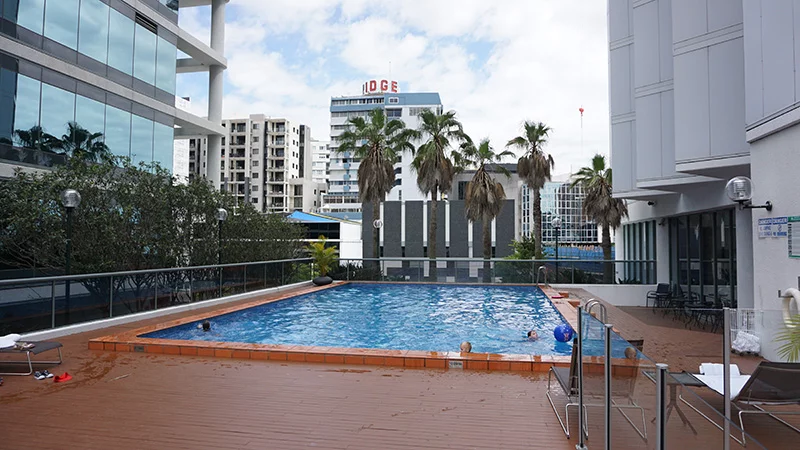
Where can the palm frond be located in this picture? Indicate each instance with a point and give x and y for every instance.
(790, 337)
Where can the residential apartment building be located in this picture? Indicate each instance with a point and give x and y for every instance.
(110, 67)
(342, 193)
(701, 92)
(320, 161)
(263, 162)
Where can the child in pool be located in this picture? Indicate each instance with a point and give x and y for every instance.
(533, 336)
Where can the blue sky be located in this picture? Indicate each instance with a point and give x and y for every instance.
(495, 63)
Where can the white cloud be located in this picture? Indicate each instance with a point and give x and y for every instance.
(547, 59)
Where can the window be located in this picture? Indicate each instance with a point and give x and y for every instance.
(462, 189)
(255, 175)
(253, 200)
(394, 112)
(255, 163)
(166, 58)
(254, 188)
(90, 114)
(255, 126)
(59, 112)
(26, 107)
(120, 42)
(144, 56)
(394, 100)
(223, 140)
(254, 151)
(413, 112)
(141, 140)
(61, 22)
(118, 131)
(93, 38)
(255, 138)
(163, 145)
(31, 15)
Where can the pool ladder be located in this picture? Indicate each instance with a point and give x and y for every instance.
(539, 272)
(594, 302)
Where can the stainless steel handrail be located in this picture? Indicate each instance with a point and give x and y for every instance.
(594, 302)
(141, 272)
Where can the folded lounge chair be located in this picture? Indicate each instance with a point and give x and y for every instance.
(771, 383)
(567, 379)
(38, 347)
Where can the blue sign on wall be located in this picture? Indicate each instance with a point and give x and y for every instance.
(774, 227)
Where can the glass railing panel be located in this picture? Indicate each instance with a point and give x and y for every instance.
(254, 277)
(174, 288)
(28, 306)
(685, 399)
(204, 284)
(134, 293)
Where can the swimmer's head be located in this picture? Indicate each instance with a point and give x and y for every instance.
(466, 347)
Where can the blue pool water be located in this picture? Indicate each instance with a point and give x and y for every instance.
(495, 319)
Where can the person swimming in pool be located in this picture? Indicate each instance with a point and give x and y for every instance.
(205, 326)
(466, 347)
(533, 336)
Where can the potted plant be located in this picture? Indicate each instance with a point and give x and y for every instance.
(324, 257)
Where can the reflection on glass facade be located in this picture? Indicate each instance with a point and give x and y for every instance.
(61, 22)
(7, 88)
(120, 41)
(144, 55)
(58, 111)
(26, 107)
(141, 140)
(104, 34)
(93, 38)
(703, 255)
(118, 131)
(566, 202)
(31, 15)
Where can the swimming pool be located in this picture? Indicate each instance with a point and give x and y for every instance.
(427, 317)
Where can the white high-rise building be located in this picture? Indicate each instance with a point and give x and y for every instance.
(320, 161)
(342, 193)
(263, 163)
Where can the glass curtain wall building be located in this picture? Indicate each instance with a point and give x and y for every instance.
(564, 201)
(101, 65)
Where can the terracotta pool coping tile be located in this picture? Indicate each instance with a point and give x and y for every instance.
(205, 351)
(374, 360)
(315, 357)
(354, 359)
(295, 356)
(259, 354)
(334, 359)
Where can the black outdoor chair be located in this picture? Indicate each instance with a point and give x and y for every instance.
(660, 296)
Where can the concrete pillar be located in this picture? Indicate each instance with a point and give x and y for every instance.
(745, 293)
(215, 90)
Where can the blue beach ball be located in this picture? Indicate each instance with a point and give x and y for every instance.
(563, 333)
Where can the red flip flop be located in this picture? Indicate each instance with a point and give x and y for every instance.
(62, 378)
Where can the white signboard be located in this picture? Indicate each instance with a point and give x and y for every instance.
(773, 227)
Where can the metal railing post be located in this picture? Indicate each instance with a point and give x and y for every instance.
(111, 296)
(661, 405)
(220, 282)
(191, 286)
(348, 270)
(283, 276)
(609, 327)
(581, 423)
(244, 280)
(726, 377)
(53, 304)
(155, 293)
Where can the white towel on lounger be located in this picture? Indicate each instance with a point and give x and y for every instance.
(9, 340)
(713, 369)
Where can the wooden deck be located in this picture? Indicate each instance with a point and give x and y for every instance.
(149, 401)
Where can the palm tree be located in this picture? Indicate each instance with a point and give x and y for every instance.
(434, 167)
(82, 144)
(534, 167)
(377, 143)
(35, 138)
(485, 195)
(600, 206)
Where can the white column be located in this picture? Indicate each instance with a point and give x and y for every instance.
(745, 292)
(215, 90)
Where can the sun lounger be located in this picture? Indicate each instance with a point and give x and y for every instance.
(38, 347)
(567, 379)
(770, 384)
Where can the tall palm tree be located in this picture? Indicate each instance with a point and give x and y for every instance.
(485, 195)
(35, 138)
(600, 206)
(82, 144)
(377, 142)
(535, 168)
(434, 166)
